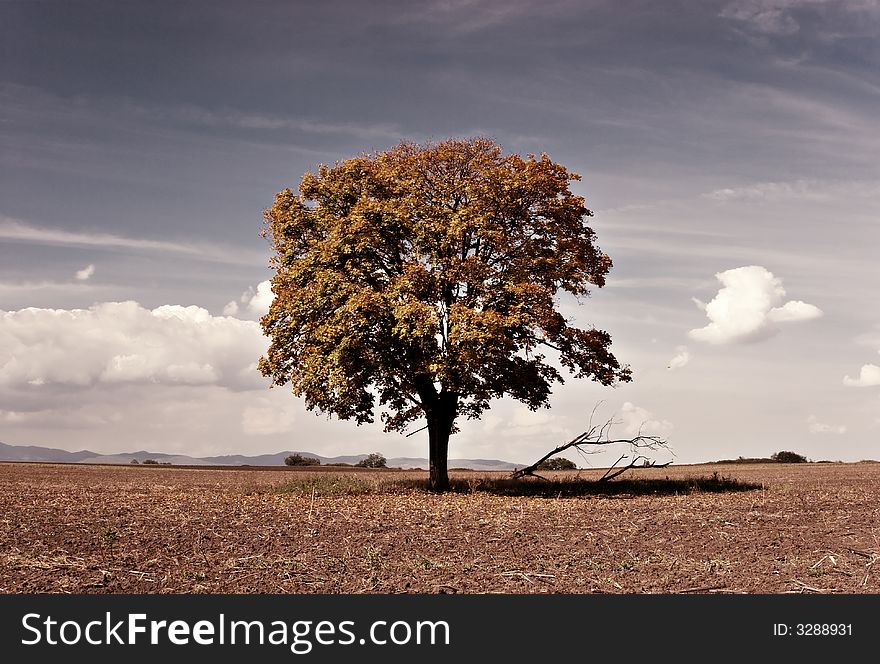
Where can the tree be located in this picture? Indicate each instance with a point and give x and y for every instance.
(373, 460)
(425, 278)
(788, 457)
(300, 460)
(558, 463)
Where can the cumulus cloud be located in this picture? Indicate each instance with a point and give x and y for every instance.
(253, 303)
(868, 377)
(748, 307)
(123, 342)
(637, 420)
(818, 427)
(681, 358)
(86, 273)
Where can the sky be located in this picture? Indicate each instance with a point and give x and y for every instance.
(728, 150)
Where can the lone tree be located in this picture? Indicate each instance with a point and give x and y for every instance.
(788, 457)
(300, 460)
(425, 278)
(559, 463)
(373, 460)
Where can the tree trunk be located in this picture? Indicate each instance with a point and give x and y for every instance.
(440, 420)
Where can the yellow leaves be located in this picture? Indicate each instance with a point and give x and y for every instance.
(414, 320)
(436, 263)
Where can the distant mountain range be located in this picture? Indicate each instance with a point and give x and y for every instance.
(48, 454)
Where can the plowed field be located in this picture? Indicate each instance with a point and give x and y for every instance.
(768, 528)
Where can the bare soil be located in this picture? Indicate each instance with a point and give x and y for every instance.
(803, 528)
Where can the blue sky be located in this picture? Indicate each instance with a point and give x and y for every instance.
(728, 150)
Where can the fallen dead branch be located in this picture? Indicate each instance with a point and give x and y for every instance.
(597, 437)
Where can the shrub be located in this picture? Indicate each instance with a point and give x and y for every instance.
(374, 460)
(151, 462)
(788, 457)
(559, 463)
(300, 460)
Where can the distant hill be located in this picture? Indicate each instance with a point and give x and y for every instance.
(48, 454)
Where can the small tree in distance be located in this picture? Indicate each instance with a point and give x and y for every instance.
(425, 278)
(374, 460)
(557, 463)
(788, 457)
(300, 460)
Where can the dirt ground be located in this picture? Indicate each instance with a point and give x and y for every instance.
(803, 528)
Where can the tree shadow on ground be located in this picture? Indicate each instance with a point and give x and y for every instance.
(569, 488)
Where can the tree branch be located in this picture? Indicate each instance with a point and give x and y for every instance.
(599, 436)
(646, 463)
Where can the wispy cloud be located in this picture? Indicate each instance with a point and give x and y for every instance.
(19, 231)
(227, 117)
(32, 286)
(468, 16)
(15, 230)
(781, 17)
(816, 426)
(801, 190)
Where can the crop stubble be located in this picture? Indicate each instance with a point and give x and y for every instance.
(808, 528)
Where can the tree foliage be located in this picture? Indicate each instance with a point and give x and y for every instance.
(557, 463)
(373, 460)
(788, 457)
(425, 278)
(300, 460)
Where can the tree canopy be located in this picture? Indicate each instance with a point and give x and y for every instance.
(300, 460)
(373, 460)
(422, 282)
(559, 463)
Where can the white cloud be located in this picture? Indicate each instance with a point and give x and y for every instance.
(869, 375)
(748, 306)
(818, 427)
(68, 417)
(20, 231)
(681, 358)
(637, 420)
(266, 418)
(799, 190)
(31, 286)
(123, 342)
(779, 17)
(767, 16)
(253, 303)
(264, 121)
(86, 273)
(15, 229)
